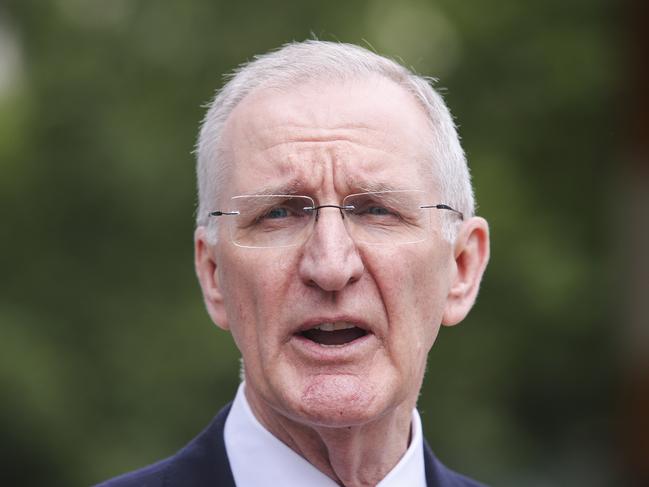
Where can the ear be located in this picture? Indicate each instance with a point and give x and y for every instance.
(471, 254)
(207, 273)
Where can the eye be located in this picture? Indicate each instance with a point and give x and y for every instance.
(372, 209)
(277, 212)
(377, 210)
(283, 209)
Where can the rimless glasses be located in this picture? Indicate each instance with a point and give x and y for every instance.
(377, 218)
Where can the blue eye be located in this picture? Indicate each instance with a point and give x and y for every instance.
(277, 213)
(377, 211)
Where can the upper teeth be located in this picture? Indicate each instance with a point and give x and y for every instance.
(336, 325)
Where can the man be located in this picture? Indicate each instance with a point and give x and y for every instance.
(335, 235)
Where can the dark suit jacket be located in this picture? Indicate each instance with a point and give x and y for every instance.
(204, 463)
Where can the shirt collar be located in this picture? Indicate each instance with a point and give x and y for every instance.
(257, 457)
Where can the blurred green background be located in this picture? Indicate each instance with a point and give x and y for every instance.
(107, 358)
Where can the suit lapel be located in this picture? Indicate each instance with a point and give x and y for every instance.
(430, 464)
(438, 475)
(204, 461)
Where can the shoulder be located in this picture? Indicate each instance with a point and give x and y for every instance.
(454, 479)
(151, 476)
(203, 461)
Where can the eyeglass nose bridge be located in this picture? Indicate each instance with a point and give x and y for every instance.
(340, 208)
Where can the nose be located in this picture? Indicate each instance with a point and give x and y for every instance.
(330, 259)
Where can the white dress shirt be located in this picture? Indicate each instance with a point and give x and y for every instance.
(257, 458)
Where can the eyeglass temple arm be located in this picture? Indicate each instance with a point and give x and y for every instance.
(445, 207)
(223, 213)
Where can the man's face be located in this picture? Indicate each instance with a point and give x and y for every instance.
(328, 140)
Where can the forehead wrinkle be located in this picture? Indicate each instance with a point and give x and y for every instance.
(370, 175)
(269, 138)
(308, 171)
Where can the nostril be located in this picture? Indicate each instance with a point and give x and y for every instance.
(313, 283)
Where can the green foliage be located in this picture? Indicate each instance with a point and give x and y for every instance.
(108, 360)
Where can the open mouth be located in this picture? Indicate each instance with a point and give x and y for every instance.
(334, 334)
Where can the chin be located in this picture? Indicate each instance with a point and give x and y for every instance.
(338, 401)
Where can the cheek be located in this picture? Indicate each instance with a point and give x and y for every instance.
(255, 288)
(413, 286)
(269, 282)
(431, 288)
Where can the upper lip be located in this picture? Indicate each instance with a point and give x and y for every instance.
(313, 322)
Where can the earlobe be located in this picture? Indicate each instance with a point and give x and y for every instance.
(471, 253)
(207, 273)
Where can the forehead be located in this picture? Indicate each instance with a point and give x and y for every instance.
(342, 136)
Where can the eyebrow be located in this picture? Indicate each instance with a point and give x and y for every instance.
(290, 188)
(373, 187)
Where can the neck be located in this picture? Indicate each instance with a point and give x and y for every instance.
(348, 455)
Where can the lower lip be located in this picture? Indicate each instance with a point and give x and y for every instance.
(333, 353)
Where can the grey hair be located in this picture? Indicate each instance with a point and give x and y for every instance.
(309, 60)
